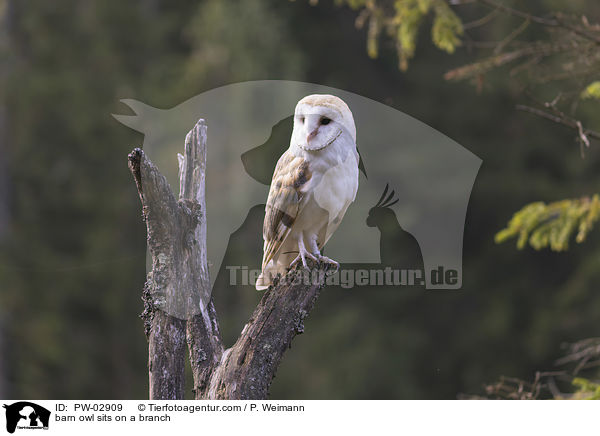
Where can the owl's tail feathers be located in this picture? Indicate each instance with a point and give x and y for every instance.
(262, 282)
(265, 279)
(269, 272)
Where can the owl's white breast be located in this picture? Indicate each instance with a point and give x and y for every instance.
(338, 186)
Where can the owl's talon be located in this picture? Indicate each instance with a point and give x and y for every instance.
(302, 257)
(329, 261)
(296, 260)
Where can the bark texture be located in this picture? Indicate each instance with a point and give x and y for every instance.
(247, 369)
(178, 308)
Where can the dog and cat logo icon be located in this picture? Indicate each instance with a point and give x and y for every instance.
(26, 415)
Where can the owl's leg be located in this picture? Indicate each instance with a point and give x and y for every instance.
(304, 253)
(312, 244)
(314, 248)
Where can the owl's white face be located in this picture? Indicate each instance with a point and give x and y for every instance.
(319, 121)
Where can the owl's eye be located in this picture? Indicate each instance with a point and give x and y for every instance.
(325, 121)
(302, 119)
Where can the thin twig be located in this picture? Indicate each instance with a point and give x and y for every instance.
(517, 13)
(548, 22)
(511, 36)
(481, 21)
(562, 119)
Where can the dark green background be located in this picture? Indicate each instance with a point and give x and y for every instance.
(72, 243)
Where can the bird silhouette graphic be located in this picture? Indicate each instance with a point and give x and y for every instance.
(397, 247)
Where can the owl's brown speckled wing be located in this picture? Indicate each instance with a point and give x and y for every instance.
(284, 202)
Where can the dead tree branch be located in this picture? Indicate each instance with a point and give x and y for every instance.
(178, 307)
(247, 369)
(166, 333)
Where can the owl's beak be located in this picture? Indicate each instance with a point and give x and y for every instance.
(311, 135)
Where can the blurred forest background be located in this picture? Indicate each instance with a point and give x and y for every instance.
(72, 243)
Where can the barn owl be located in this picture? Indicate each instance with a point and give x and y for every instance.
(314, 182)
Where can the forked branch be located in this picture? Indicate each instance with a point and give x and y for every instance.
(178, 306)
